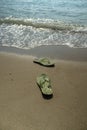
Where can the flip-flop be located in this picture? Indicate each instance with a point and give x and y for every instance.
(44, 61)
(44, 84)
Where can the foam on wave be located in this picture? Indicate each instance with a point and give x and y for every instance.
(29, 33)
(45, 23)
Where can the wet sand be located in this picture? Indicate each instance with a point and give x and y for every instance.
(22, 106)
(55, 52)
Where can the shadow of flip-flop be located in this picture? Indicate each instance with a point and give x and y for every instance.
(47, 96)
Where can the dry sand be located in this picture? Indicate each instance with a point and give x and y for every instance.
(22, 107)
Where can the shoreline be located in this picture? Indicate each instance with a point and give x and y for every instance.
(52, 51)
(22, 106)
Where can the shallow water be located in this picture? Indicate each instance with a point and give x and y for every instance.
(30, 23)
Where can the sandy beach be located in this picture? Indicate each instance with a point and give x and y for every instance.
(22, 106)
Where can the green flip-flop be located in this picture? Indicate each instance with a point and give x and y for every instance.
(44, 61)
(44, 84)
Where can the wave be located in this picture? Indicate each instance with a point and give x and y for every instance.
(46, 24)
(29, 33)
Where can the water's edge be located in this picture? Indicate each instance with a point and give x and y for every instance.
(55, 52)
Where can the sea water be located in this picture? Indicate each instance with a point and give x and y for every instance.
(30, 23)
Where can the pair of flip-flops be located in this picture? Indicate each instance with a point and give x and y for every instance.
(43, 80)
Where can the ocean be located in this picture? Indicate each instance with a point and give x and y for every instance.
(27, 24)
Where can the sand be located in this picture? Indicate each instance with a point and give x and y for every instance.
(22, 106)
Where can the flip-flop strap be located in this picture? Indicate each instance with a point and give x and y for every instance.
(43, 83)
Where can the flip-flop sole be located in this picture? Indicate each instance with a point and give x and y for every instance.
(43, 63)
(44, 84)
